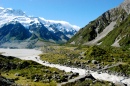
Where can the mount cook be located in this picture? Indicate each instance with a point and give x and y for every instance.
(16, 28)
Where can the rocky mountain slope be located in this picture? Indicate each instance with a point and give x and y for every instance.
(111, 28)
(6, 82)
(16, 27)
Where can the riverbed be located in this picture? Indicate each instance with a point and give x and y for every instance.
(32, 54)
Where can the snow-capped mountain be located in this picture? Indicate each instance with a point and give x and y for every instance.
(9, 14)
(12, 21)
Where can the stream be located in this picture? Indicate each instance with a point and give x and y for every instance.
(32, 54)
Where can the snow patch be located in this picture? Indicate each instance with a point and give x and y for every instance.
(69, 36)
(64, 23)
(72, 42)
(9, 9)
(1, 8)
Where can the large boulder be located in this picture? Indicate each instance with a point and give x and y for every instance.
(120, 84)
(6, 82)
(94, 62)
(90, 76)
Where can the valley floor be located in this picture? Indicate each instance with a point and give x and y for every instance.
(31, 54)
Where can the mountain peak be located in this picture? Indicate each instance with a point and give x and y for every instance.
(38, 27)
(1, 8)
(66, 24)
(10, 11)
(126, 6)
(9, 14)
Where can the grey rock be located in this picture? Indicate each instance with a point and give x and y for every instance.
(17, 74)
(98, 66)
(110, 84)
(88, 61)
(35, 80)
(80, 57)
(126, 6)
(6, 82)
(120, 84)
(90, 76)
(94, 62)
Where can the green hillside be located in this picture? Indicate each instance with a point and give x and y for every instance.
(118, 35)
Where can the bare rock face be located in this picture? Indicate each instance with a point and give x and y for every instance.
(126, 6)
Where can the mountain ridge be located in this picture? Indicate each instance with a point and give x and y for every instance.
(38, 27)
(105, 30)
(18, 15)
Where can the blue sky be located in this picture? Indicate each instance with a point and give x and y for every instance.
(77, 12)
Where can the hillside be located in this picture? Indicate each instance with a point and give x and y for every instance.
(111, 28)
(15, 72)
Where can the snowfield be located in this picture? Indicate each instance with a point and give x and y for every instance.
(9, 15)
(32, 54)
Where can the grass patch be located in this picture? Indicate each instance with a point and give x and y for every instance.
(83, 56)
(29, 72)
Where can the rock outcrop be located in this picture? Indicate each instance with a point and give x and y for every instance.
(5, 82)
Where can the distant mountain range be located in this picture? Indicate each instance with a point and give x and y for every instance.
(112, 28)
(16, 28)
